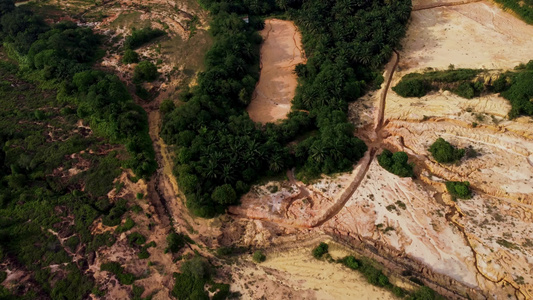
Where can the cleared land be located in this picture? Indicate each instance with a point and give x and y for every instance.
(280, 52)
(480, 247)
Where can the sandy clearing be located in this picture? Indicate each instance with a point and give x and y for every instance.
(329, 280)
(475, 35)
(280, 52)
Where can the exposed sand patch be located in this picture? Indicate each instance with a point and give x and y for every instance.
(328, 280)
(280, 52)
(475, 35)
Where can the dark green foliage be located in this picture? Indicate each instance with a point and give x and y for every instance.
(445, 152)
(523, 8)
(259, 257)
(224, 195)
(425, 293)
(126, 226)
(167, 106)
(189, 284)
(396, 163)
(458, 81)
(115, 268)
(175, 242)
(136, 238)
(217, 143)
(137, 292)
(320, 250)
(459, 189)
(3, 276)
(520, 93)
(99, 179)
(145, 71)
(72, 243)
(350, 262)
(114, 217)
(142, 36)
(412, 87)
(130, 57)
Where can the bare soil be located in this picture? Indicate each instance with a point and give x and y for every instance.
(281, 51)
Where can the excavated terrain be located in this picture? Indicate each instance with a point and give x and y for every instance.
(479, 248)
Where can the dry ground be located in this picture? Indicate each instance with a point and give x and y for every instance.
(280, 53)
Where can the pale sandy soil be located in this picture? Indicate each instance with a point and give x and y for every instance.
(481, 246)
(280, 53)
(328, 280)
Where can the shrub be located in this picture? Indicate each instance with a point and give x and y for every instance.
(350, 262)
(130, 57)
(118, 270)
(396, 163)
(136, 238)
(175, 242)
(167, 106)
(259, 257)
(320, 250)
(412, 88)
(142, 36)
(444, 152)
(126, 226)
(465, 90)
(459, 189)
(224, 194)
(145, 71)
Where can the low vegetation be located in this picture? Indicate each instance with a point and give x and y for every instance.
(130, 57)
(140, 37)
(50, 93)
(523, 8)
(320, 250)
(445, 153)
(259, 256)
(459, 189)
(457, 81)
(375, 276)
(115, 268)
(396, 163)
(515, 86)
(145, 71)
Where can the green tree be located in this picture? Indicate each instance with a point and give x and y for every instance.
(224, 194)
(444, 152)
(145, 71)
(130, 57)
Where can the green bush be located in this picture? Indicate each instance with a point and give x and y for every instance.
(259, 257)
(115, 268)
(459, 189)
(465, 90)
(444, 152)
(145, 71)
(136, 238)
(141, 36)
(320, 250)
(396, 163)
(130, 57)
(128, 224)
(412, 88)
(175, 242)
(351, 262)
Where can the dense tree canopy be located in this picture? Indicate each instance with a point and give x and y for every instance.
(217, 143)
